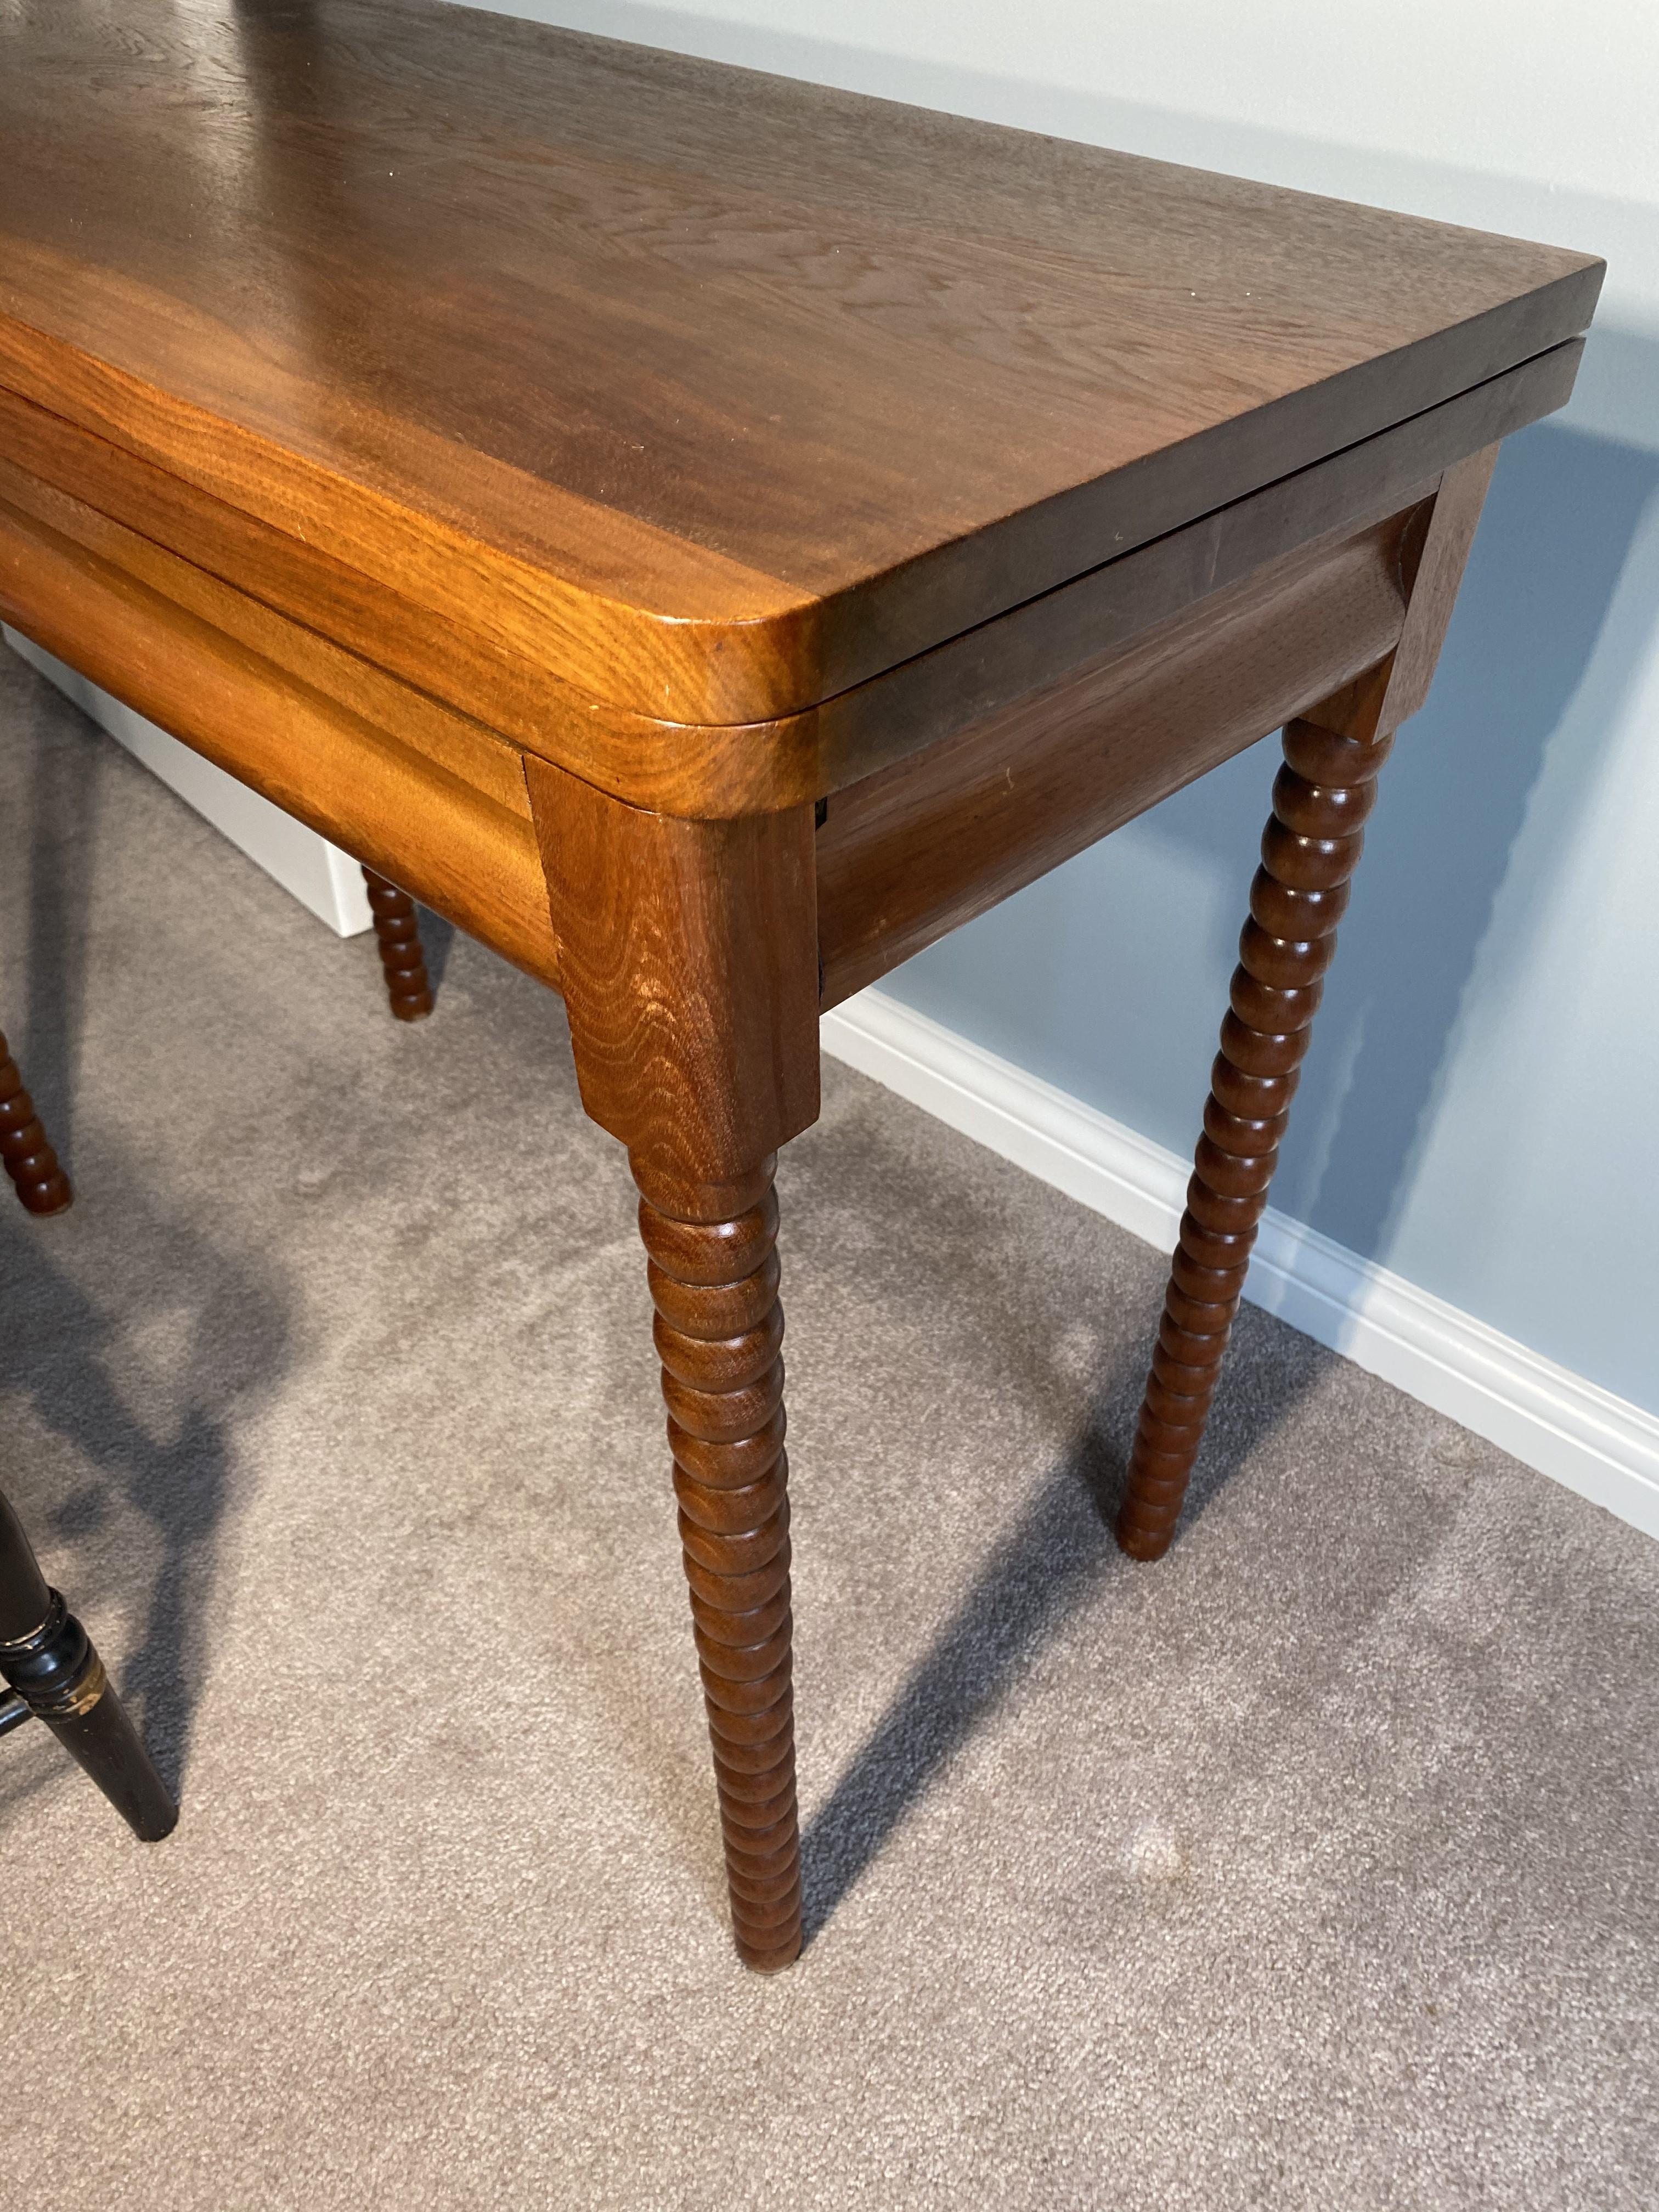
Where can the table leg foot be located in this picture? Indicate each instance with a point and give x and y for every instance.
(713, 1275)
(1308, 851)
(41, 1185)
(398, 933)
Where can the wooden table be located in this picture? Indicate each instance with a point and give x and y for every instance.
(709, 535)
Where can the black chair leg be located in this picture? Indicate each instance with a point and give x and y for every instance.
(53, 1672)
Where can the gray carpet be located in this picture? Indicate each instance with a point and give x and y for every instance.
(1312, 1867)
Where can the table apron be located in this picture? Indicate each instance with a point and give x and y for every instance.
(466, 681)
(950, 782)
(376, 790)
(911, 852)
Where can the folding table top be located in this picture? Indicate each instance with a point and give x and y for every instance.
(709, 393)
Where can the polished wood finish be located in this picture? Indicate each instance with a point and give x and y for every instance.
(336, 631)
(910, 853)
(707, 536)
(1310, 850)
(398, 934)
(688, 960)
(114, 508)
(713, 393)
(1063, 635)
(1159, 666)
(25, 1151)
(1311, 845)
(364, 783)
(714, 1276)
(52, 1673)
(687, 954)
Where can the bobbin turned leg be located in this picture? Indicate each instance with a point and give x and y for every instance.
(1308, 851)
(398, 933)
(29, 1160)
(714, 1276)
(54, 1674)
(688, 957)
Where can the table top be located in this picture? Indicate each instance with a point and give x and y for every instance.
(711, 392)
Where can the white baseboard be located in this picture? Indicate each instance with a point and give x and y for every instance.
(321, 877)
(1601, 1446)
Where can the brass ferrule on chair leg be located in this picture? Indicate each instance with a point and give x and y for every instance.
(56, 1674)
(55, 1671)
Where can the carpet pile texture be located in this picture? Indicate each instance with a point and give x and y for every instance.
(1314, 1867)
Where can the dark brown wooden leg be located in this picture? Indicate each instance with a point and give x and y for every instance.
(689, 963)
(29, 1159)
(54, 1673)
(1308, 851)
(713, 1275)
(397, 932)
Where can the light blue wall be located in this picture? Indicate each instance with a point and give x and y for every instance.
(1478, 1110)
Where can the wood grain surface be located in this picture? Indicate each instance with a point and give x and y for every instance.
(709, 393)
(708, 534)
(688, 958)
(374, 789)
(913, 852)
(373, 652)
